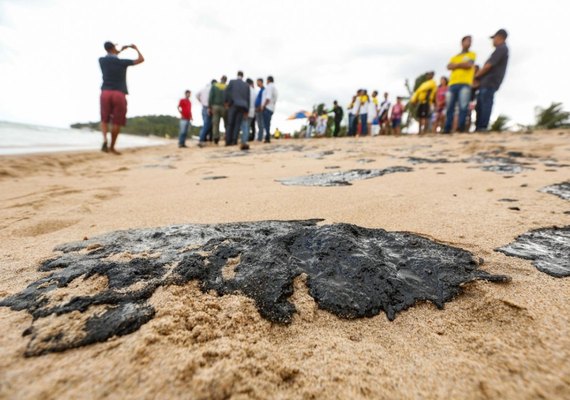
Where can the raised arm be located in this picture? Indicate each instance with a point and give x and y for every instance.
(140, 58)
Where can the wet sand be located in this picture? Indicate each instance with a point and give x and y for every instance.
(492, 341)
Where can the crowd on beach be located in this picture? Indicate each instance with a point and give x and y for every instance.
(445, 108)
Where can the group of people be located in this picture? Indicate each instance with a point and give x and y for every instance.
(448, 106)
(367, 114)
(242, 106)
(238, 104)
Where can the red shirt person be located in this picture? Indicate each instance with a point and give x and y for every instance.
(114, 91)
(185, 110)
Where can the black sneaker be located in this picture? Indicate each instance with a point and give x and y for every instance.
(104, 148)
(216, 140)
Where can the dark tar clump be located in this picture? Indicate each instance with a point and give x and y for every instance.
(548, 248)
(351, 272)
(341, 178)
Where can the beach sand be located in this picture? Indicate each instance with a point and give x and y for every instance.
(492, 341)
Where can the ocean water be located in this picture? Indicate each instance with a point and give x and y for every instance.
(27, 139)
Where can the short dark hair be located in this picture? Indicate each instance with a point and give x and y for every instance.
(214, 81)
(240, 74)
(260, 79)
(224, 78)
(187, 91)
(335, 102)
(270, 78)
(464, 38)
(249, 81)
(109, 46)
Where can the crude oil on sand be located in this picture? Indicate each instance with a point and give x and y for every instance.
(493, 340)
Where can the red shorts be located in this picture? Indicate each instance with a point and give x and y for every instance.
(114, 107)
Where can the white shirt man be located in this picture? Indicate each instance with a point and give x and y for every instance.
(270, 96)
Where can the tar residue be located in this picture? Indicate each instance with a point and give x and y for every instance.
(341, 178)
(420, 160)
(548, 248)
(502, 164)
(561, 190)
(351, 272)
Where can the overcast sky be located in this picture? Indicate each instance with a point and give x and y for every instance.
(317, 51)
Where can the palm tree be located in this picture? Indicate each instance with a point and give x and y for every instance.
(552, 117)
(500, 123)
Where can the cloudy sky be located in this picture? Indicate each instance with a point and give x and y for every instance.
(317, 51)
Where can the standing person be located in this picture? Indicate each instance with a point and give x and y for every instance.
(322, 122)
(311, 123)
(373, 109)
(363, 112)
(396, 116)
(259, 110)
(247, 122)
(216, 106)
(351, 109)
(440, 101)
(237, 103)
(338, 115)
(490, 77)
(383, 114)
(202, 97)
(425, 96)
(185, 110)
(113, 92)
(462, 67)
(268, 106)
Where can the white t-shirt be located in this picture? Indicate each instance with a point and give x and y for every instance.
(252, 96)
(204, 94)
(356, 106)
(270, 93)
(372, 108)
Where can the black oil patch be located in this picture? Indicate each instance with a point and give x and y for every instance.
(420, 160)
(561, 190)
(494, 162)
(351, 271)
(341, 178)
(548, 248)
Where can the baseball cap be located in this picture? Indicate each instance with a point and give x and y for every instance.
(500, 32)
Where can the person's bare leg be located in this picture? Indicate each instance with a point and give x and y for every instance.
(114, 134)
(104, 130)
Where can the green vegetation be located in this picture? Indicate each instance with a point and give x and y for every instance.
(155, 125)
(500, 123)
(552, 117)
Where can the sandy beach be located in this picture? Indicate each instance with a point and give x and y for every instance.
(494, 340)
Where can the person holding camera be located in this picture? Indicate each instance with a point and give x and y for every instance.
(114, 91)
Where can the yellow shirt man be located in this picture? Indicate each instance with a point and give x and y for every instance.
(461, 75)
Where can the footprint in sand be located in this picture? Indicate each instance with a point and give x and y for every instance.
(46, 226)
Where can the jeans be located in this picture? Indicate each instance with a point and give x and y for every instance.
(267, 114)
(245, 125)
(351, 127)
(259, 119)
(207, 124)
(363, 124)
(460, 93)
(484, 107)
(184, 125)
(235, 118)
(309, 131)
